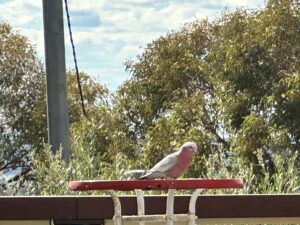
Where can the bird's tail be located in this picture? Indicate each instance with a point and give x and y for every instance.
(152, 175)
(144, 177)
(133, 174)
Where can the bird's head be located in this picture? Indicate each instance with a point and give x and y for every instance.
(191, 146)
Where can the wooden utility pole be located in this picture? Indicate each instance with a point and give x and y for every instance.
(57, 105)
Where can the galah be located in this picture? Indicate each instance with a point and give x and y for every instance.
(173, 165)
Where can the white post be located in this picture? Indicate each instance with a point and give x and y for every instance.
(192, 206)
(170, 207)
(117, 207)
(140, 204)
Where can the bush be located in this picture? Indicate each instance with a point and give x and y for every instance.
(52, 174)
(285, 178)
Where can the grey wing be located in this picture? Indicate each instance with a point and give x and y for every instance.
(158, 171)
(165, 164)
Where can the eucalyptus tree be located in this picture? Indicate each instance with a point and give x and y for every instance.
(231, 85)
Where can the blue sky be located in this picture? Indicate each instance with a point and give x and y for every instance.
(108, 32)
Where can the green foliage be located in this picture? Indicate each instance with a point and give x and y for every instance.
(286, 104)
(168, 70)
(94, 156)
(22, 101)
(95, 95)
(230, 85)
(52, 174)
(181, 124)
(284, 180)
(23, 125)
(251, 54)
(22, 89)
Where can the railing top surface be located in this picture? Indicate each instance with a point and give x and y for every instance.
(159, 184)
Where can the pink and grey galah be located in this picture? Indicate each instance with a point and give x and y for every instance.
(173, 165)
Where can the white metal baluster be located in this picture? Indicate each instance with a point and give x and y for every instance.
(117, 207)
(192, 206)
(140, 204)
(170, 207)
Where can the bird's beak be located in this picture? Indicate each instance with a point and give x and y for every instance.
(194, 151)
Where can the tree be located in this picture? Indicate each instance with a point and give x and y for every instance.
(94, 94)
(171, 69)
(231, 85)
(22, 98)
(23, 125)
(252, 58)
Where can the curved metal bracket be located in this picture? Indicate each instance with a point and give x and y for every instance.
(192, 206)
(117, 207)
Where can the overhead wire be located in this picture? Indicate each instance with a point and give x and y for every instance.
(75, 59)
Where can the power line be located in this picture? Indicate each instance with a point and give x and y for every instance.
(75, 60)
